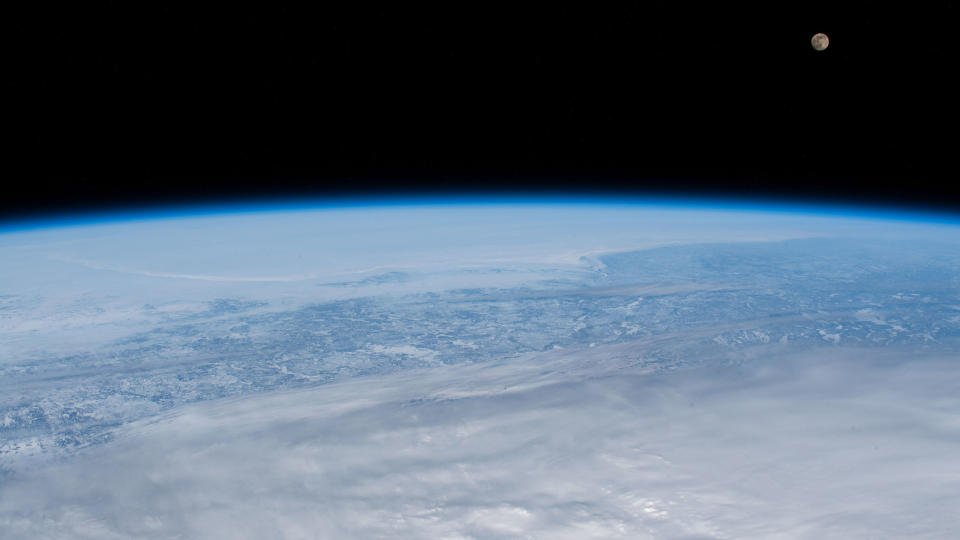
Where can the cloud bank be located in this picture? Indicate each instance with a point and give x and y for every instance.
(828, 443)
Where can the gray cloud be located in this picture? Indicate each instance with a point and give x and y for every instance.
(828, 443)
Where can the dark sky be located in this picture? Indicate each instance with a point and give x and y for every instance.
(131, 105)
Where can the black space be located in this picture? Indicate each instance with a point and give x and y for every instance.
(130, 106)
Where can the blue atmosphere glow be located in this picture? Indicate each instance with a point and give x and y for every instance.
(728, 204)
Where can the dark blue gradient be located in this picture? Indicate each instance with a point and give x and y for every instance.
(277, 204)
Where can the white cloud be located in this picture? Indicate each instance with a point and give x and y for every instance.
(419, 353)
(834, 443)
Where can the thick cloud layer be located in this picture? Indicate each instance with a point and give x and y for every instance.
(829, 443)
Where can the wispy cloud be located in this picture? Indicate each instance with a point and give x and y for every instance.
(94, 265)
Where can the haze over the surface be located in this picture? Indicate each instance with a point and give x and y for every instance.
(177, 263)
(339, 243)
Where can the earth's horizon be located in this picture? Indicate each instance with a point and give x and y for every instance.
(481, 369)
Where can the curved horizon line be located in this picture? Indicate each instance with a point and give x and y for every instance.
(174, 210)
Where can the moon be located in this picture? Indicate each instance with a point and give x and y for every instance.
(820, 41)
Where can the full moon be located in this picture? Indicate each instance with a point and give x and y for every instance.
(820, 41)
